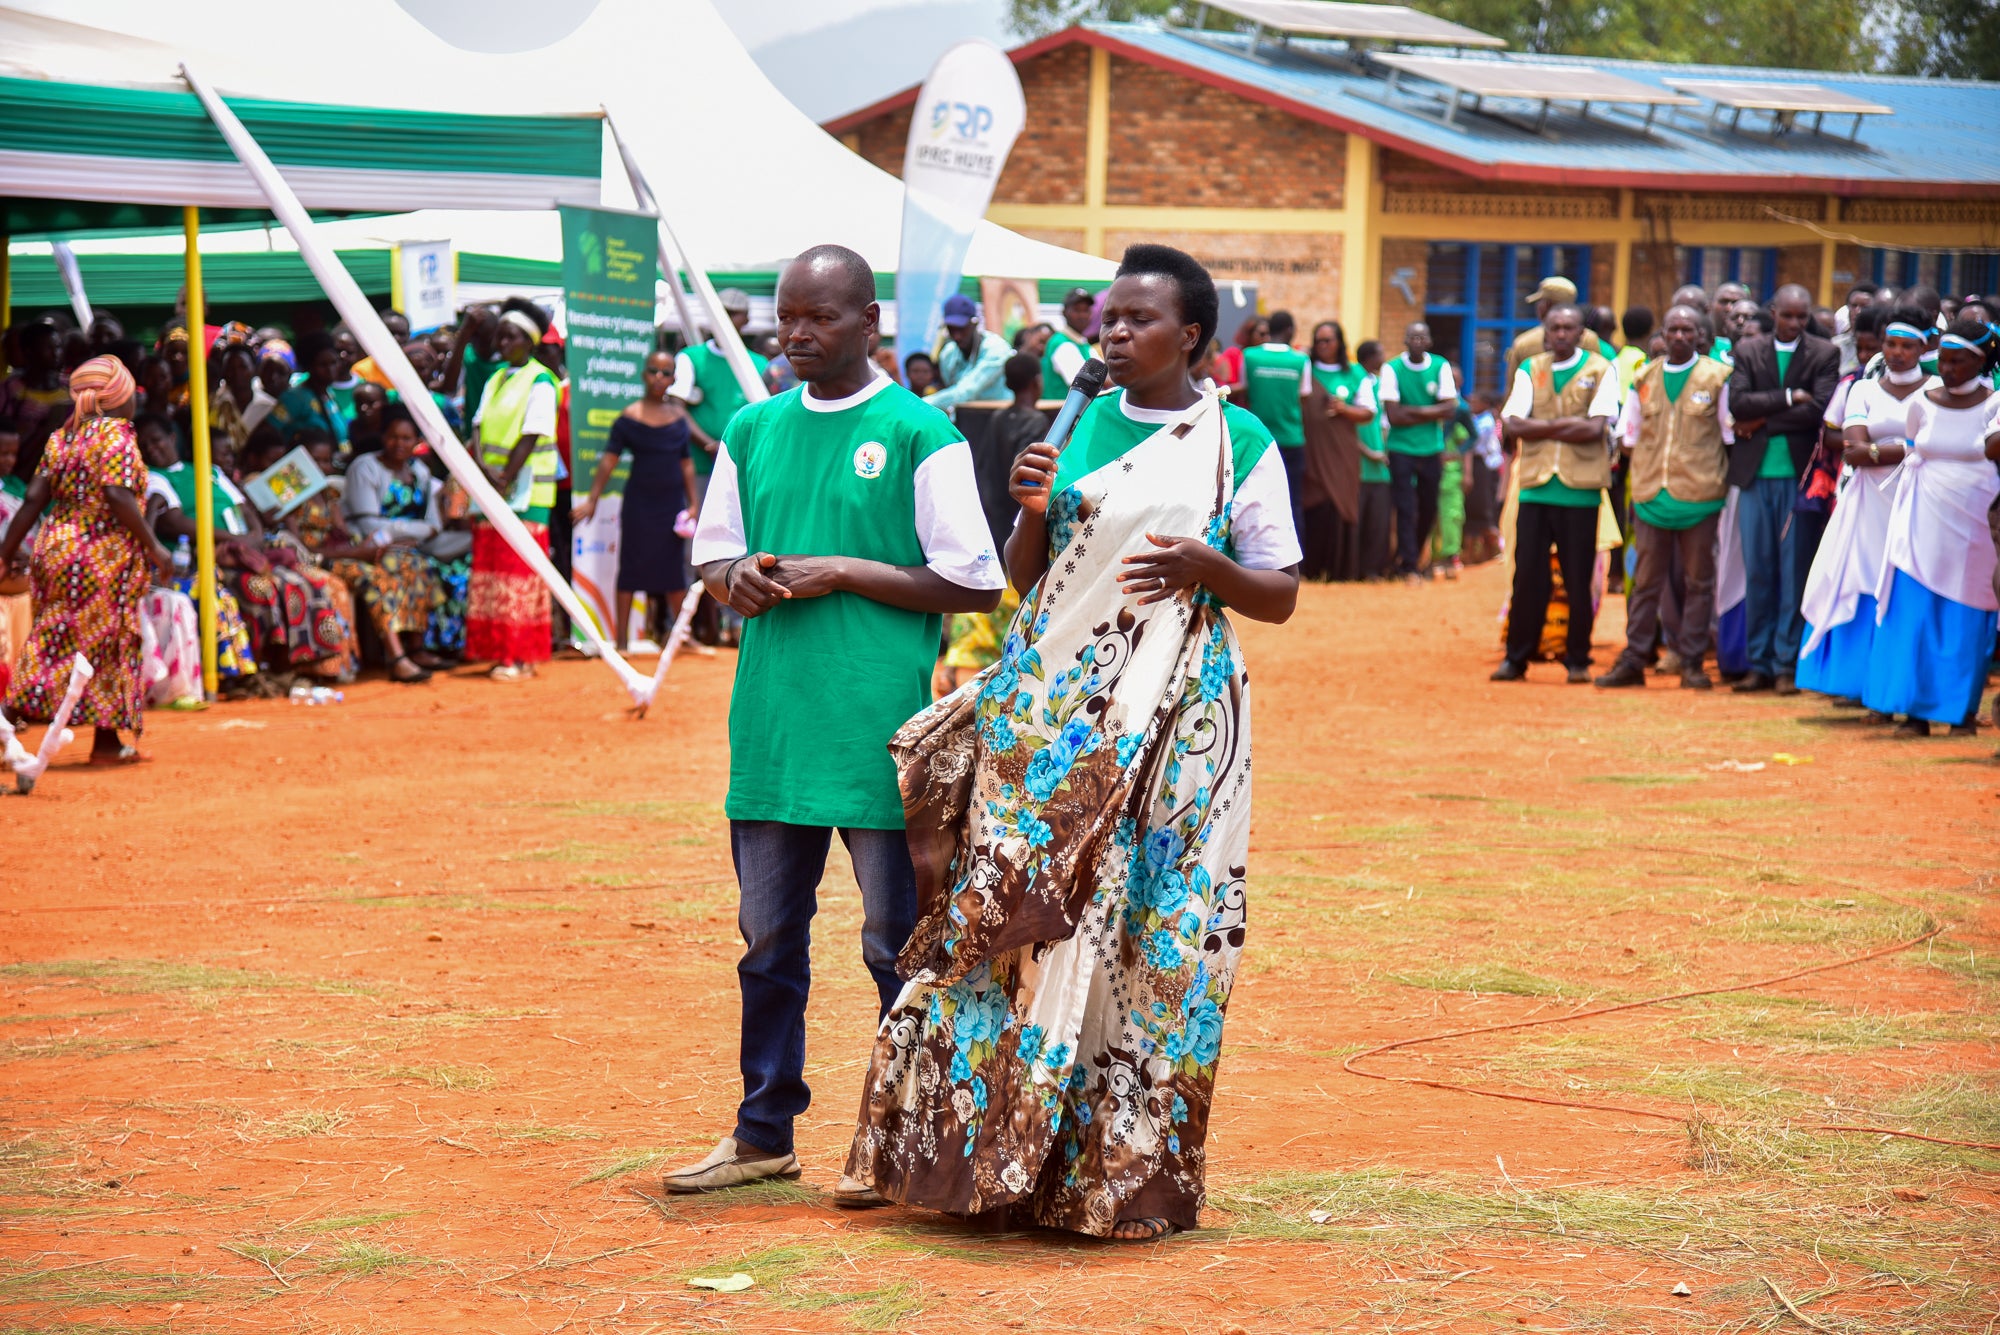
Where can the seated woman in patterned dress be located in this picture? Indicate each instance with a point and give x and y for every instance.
(360, 536)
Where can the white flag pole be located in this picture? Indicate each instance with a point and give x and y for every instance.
(377, 342)
(673, 257)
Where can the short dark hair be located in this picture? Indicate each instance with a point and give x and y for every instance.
(1637, 324)
(1926, 296)
(1561, 306)
(1871, 319)
(1862, 289)
(1283, 326)
(1200, 306)
(916, 357)
(1766, 322)
(399, 412)
(859, 273)
(1369, 347)
(309, 436)
(1022, 371)
(309, 347)
(1021, 334)
(159, 421)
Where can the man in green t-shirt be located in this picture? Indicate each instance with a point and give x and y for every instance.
(1418, 397)
(1069, 346)
(707, 384)
(842, 522)
(1272, 371)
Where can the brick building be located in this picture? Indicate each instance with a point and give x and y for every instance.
(1303, 166)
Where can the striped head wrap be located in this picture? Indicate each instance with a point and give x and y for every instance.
(98, 385)
(1897, 329)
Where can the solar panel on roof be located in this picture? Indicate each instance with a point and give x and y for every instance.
(1795, 97)
(1356, 22)
(1540, 83)
(1785, 102)
(1517, 81)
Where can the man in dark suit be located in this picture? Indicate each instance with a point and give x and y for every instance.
(1777, 394)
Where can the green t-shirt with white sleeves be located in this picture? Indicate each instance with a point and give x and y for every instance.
(823, 683)
(1272, 372)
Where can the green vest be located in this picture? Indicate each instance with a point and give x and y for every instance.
(1416, 389)
(722, 398)
(1053, 385)
(228, 519)
(534, 492)
(1274, 376)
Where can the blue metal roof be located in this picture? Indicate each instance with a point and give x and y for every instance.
(1939, 141)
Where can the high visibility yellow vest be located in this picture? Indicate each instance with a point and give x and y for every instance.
(500, 427)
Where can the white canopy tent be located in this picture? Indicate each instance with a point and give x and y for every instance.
(747, 179)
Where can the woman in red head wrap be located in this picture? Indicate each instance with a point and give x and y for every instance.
(89, 567)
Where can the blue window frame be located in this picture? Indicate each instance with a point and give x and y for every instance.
(1709, 267)
(1952, 273)
(1476, 300)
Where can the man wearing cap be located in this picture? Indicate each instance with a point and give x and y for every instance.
(1559, 411)
(1554, 291)
(1069, 346)
(704, 382)
(973, 364)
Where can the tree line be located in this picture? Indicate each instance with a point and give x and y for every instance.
(1958, 39)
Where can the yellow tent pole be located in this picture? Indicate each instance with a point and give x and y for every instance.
(204, 482)
(6, 291)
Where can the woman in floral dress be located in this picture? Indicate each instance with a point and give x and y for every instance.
(375, 553)
(1079, 813)
(90, 564)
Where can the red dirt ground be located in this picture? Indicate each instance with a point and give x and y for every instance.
(371, 1017)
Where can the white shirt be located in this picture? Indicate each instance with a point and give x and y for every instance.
(1390, 393)
(1521, 398)
(540, 417)
(1633, 419)
(951, 526)
(1260, 517)
(1068, 359)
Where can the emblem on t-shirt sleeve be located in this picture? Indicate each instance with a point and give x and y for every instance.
(870, 458)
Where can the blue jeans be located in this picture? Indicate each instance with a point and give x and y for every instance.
(778, 868)
(1775, 564)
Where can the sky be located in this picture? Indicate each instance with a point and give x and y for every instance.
(827, 56)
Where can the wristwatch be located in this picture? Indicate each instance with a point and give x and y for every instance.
(1874, 452)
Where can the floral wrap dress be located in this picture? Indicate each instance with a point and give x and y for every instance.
(1080, 819)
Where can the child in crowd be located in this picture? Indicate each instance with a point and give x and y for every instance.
(1484, 462)
(920, 374)
(14, 607)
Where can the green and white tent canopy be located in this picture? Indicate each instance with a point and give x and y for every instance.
(78, 158)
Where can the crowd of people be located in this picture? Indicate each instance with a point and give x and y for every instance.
(1793, 495)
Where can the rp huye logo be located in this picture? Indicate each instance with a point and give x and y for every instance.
(962, 118)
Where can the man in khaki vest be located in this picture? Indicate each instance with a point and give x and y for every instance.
(1676, 428)
(1554, 291)
(1560, 412)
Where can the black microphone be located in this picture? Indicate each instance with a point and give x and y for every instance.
(1088, 384)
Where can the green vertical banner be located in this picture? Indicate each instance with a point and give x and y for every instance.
(610, 271)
